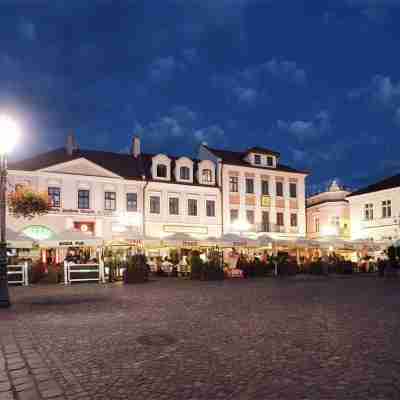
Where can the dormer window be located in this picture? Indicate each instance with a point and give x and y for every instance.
(257, 159)
(184, 173)
(206, 176)
(270, 161)
(161, 171)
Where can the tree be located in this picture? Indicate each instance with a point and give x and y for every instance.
(28, 203)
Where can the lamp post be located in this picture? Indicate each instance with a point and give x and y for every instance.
(8, 138)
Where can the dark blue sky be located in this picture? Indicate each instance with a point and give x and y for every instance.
(318, 81)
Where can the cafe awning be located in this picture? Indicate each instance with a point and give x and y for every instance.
(71, 239)
(180, 239)
(18, 240)
(234, 240)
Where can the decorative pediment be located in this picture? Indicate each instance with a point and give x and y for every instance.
(81, 166)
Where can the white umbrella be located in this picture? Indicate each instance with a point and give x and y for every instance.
(72, 239)
(18, 240)
(180, 239)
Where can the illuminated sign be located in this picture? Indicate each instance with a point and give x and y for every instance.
(265, 201)
(38, 232)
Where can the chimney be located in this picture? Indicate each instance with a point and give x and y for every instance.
(71, 145)
(135, 147)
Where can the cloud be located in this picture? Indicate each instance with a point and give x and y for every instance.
(164, 68)
(284, 70)
(27, 29)
(397, 117)
(246, 95)
(213, 132)
(312, 129)
(180, 124)
(381, 89)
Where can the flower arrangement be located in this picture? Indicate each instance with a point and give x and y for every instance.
(28, 203)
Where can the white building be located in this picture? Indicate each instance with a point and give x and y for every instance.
(259, 194)
(328, 214)
(375, 211)
(113, 195)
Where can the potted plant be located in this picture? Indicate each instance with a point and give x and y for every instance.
(137, 270)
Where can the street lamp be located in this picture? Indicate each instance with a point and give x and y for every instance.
(8, 138)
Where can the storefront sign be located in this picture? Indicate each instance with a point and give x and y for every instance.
(84, 226)
(70, 211)
(72, 243)
(238, 244)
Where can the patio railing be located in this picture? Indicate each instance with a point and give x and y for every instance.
(18, 274)
(83, 273)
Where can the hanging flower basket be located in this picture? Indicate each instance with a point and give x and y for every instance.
(28, 203)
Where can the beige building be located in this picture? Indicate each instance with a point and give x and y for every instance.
(328, 214)
(375, 211)
(259, 193)
(113, 196)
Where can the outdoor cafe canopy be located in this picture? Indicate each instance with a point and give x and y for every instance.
(72, 239)
(18, 240)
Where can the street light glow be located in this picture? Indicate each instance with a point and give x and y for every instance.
(9, 134)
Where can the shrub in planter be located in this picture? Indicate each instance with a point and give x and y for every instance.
(288, 268)
(196, 265)
(317, 268)
(137, 270)
(262, 268)
(344, 267)
(37, 272)
(212, 271)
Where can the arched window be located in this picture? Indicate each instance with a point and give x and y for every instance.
(184, 173)
(161, 171)
(206, 176)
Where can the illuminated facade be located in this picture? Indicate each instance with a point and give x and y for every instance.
(259, 194)
(328, 214)
(375, 211)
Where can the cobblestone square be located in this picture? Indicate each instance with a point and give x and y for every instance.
(327, 338)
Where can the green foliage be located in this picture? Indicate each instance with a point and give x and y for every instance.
(196, 265)
(137, 270)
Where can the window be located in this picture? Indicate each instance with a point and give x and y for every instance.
(250, 216)
(386, 209)
(234, 216)
(335, 221)
(264, 188)
(293, 220)
(54, 196)
(270, 161)
(185, 173)
(279, 189)
(265, 221)
(316, 224)
(173, 206)
(257, 159)
(154, 204)
(161, 171)
(206, 176)
(279, 219)
(233, 184)
(192, 207)
(110, 201)
(83, 199)
(210, 208)
(249, 185)
(293, 190)
(131, 202)
(369, 212)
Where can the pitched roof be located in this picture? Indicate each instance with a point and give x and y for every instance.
(237, 158)
(262, 150)
(388, 183)
(124, 165)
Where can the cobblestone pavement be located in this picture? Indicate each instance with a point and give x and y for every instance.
(257, 339)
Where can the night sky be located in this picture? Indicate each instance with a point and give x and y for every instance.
(318, 81)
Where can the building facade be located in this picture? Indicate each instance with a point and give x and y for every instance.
(259, 194)
(328, 214)
(375, 211)
(119, 196)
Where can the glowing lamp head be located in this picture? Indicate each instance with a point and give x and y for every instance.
(9, 134)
